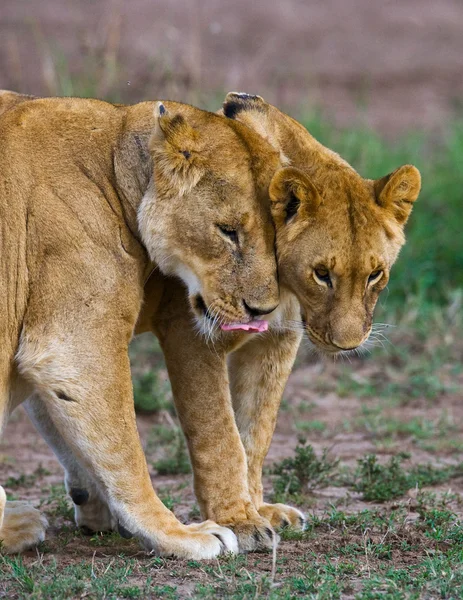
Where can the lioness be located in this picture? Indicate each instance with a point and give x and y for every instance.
(92, 196)
(337, 238)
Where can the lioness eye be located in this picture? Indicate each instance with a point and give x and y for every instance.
(229, 233)
(323, 275)
(375, 276)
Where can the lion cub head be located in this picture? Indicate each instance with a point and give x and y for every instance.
(338, 234)
(206, 217)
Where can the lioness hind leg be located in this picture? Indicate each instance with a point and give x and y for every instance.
(91, 511)
(258, 373)
(21, 525)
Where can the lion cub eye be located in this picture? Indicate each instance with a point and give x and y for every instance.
(322, 276)
(229, 233)
(375, 276)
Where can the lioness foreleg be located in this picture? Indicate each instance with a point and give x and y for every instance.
(258, 374)
(91, 511)
(87, 391)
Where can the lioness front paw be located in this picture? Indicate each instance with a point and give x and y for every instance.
(281, 515)
(198, 541)
(23, 527)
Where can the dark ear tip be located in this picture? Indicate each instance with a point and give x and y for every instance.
(236, 102)
(244, 96)
(159, 110)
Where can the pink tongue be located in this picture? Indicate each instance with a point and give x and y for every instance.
(252, 326)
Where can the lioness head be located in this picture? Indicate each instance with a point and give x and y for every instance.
(338, 234)
(206, 217)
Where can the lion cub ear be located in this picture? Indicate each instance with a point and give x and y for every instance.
(251, 110)
(177, 148)
(237, 102)
(292, 194)
(398, 191)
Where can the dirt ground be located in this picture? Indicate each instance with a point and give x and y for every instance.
(393, 65)
(317, 403)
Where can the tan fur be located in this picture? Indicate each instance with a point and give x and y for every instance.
(343, 223)
(21, 525)
(85, 188)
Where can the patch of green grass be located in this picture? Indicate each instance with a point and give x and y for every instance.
(58, 503)
(371, 554)
(151, 388)
(296, 475)
(26, 480)
(373, 421)
(311, 426)
(379, 483)
(120, 578)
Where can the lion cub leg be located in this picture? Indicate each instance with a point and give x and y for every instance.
(91, 512)
(21, 525)
(87, 389)
(258, 374)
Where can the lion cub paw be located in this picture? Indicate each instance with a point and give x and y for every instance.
(281, 516)
(92, 514)
(21, 525)
(255, 535)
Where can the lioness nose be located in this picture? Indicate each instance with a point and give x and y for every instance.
(254, 311)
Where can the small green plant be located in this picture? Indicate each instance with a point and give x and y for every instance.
(379, 483)
(58, 503)
(26, 480)
(176, 461)
(427, 474)
(150, 395)
(302, 472)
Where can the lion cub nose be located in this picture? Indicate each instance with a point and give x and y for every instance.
(255, 311)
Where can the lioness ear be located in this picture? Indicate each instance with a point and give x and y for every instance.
(398, 191)
(292, 193)
(176, 147)
(174, 129)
